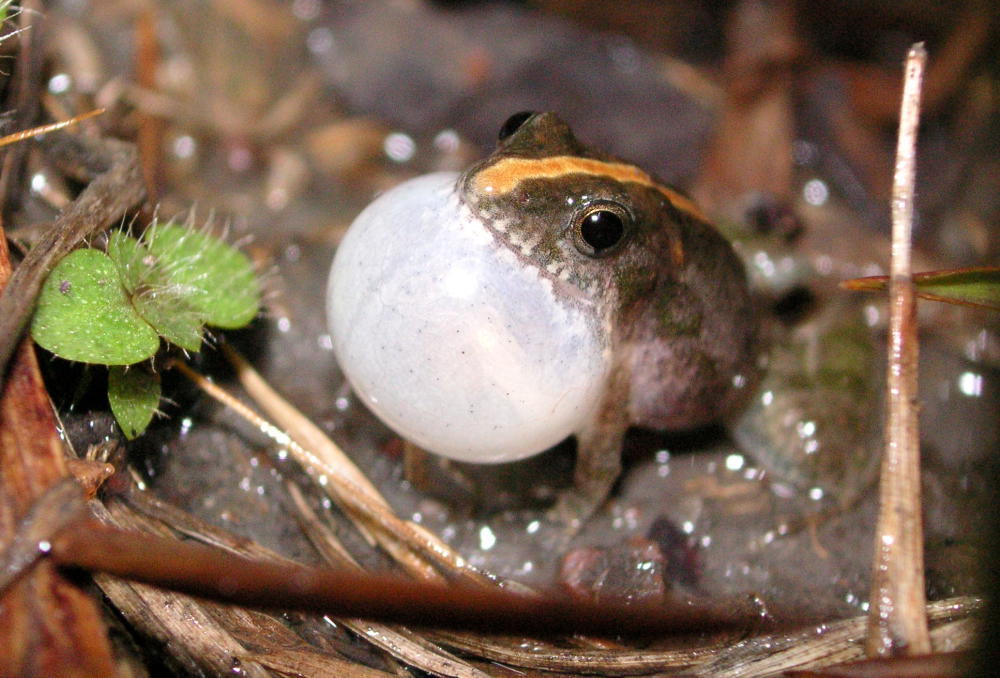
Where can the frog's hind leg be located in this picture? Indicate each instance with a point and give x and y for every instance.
(435, 476)
(598, 460)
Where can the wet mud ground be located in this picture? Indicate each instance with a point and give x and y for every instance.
(359, 96)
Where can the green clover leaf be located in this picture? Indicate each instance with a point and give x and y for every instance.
(84, 314)
(154, 294)
(218, 280)
(134, 394)
(113, 308)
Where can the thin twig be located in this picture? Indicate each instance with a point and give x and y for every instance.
(149, 135)
(209, 572)
(45, 129)
(897, 623)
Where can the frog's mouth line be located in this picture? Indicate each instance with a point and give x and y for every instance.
(563, 286)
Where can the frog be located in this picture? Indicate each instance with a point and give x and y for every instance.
(550, 290)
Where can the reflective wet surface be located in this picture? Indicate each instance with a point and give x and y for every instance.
(712, 519)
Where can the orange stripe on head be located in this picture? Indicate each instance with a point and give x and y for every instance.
(504, 175)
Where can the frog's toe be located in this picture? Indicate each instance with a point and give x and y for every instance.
(572, 510)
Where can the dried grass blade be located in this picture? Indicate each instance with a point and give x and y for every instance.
(412, 546)
(45, 129)
(48, 624)
(396, 641)
(57, 507)
(830, 644)
(256, 639)
(186, 627)
(605, 662)
(411, 648)
(309, 664)
(897, 621)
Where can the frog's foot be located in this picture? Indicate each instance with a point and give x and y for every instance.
(573, 509)
(598, 464)
(436, 477)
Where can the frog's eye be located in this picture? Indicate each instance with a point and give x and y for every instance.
(600, 227)
(514, 123)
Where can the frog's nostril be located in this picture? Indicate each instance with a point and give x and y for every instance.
(514, 123)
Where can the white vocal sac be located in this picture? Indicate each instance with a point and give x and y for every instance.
(452, 339)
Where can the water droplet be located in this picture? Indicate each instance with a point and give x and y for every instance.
(306, 10)
(60, 83)
(399, 147)
(184, 146)
(734, 462)
(971, 384)
(320, 41)
(815, 192)
(446, 141)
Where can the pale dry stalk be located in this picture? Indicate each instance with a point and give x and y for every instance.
(897, 619)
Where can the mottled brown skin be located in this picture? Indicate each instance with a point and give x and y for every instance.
(671, 296)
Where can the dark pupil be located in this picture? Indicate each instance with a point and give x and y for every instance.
(513, 123)
(602, 229)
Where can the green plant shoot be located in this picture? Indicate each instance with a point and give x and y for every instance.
(978, 286)
(113, 308)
